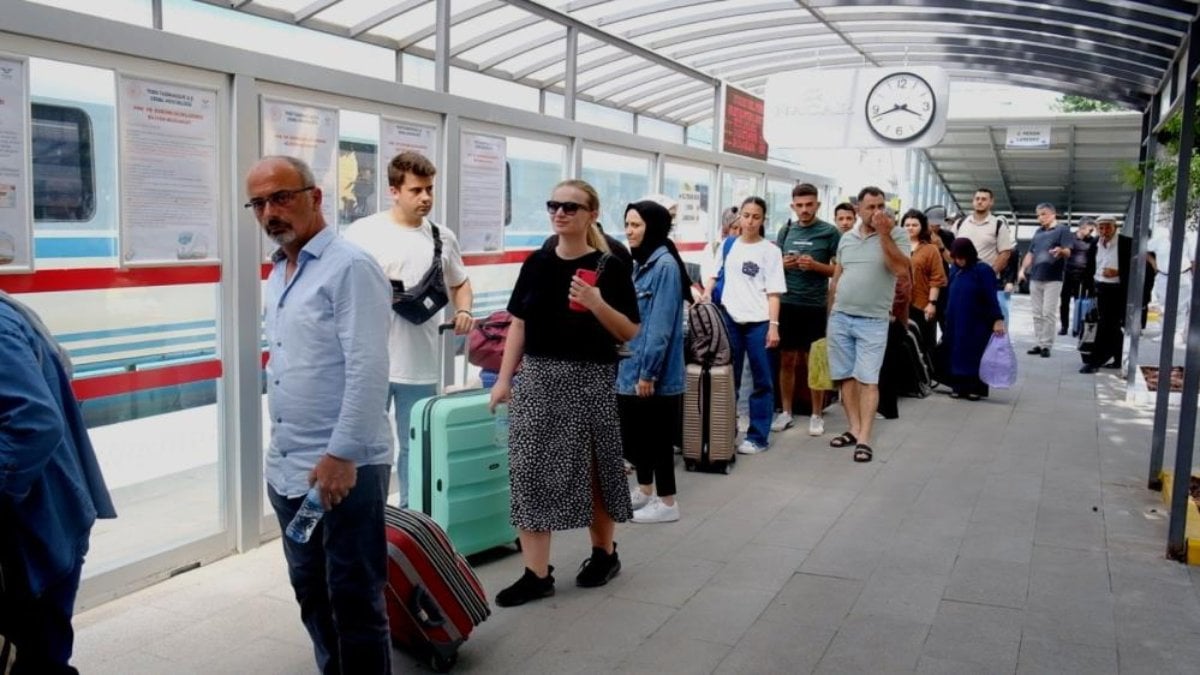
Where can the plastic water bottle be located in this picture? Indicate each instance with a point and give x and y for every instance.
(305, 521)
(500, 431)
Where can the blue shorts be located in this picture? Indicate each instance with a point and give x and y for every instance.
(856, 347)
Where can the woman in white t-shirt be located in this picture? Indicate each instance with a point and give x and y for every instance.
(748, 281)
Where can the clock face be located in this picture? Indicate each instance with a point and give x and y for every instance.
(900, 107)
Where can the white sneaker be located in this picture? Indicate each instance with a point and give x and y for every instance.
(782, 421)
(816, 426)
(657, 512)
(639, 499)
(749, 448)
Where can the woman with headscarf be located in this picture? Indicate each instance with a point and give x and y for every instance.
(650, 382)
(972, 316)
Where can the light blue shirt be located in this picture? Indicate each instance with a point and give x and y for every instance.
(327, 378)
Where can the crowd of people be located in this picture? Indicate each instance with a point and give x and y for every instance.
(598, 336)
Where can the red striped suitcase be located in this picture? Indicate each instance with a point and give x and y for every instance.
(434, 599)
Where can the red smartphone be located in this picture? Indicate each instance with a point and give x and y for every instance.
(588, 277)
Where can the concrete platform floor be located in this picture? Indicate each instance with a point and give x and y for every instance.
(1013, 535)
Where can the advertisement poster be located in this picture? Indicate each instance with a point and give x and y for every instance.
(481, 194)
(16, 235)
(170, 196)
(309, 133)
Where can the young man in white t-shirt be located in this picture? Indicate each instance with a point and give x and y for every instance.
(401, 240)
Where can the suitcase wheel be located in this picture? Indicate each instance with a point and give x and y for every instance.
(442, 664)
(689, 464)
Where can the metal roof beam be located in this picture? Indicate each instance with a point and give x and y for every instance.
(1000, 168)
(1071, 178)
(811, 8)
(311, 9)
(501, 32)
(455, 19)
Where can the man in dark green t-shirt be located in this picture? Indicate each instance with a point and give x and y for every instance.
(809, 246)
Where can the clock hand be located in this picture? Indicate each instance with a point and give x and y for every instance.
(885, 112)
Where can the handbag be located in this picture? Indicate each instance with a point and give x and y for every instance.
(422, 302)
(485, 343)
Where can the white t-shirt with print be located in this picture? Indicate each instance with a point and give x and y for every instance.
(751, 272)
(405, 254)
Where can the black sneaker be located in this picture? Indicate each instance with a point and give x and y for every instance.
(529, 587)
(1045, 352)
(598, 569)
(1034, 351)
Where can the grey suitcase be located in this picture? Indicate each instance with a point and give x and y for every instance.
(709, 419)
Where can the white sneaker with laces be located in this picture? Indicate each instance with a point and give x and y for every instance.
(816, 426)
(657, 512)
(749, 448)
(782, 421)
(639, 499)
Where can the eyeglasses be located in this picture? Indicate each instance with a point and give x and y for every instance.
(281, 198)
(569, 208)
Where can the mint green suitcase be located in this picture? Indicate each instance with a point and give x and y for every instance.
(458, 468)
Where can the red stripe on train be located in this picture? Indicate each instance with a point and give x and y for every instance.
(151, 378)
(99, 278)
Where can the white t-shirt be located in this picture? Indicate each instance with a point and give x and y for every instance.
(989, 243)
(751, 272)
(405, 254)
(1160, 246)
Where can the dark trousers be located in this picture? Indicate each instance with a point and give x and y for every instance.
(1110, 303)
(39, 627)
(928, 329)
(648, 433)
(339, 576)
(1071, 288)
(893, 373)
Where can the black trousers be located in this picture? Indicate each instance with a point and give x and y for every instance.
(648, 434)
(39, 627)
(1110, 303)
(1072, 281)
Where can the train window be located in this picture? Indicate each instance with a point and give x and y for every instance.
(779, 205)
(620, 179)
(64, 185)
(531, 172)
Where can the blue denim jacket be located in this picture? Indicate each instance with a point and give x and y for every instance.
(50, 481)
(658, 346)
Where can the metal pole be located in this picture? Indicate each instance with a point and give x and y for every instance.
(1137, 279)
(441, 47)
(1178, 228)
(1186, 434)
(572, 66)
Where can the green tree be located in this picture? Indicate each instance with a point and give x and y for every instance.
(1163, 169)
(1071, 103)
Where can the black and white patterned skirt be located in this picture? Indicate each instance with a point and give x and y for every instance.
(563, 414)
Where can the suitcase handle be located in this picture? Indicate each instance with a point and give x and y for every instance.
(442, 355)
(424, 608)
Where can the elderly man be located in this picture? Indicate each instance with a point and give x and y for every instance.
(1045, 264)
(327, 311)
(1108, 273)
(869, 258)
(51, 492)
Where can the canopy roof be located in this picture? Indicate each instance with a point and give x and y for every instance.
(662, 57)
(1079, 173)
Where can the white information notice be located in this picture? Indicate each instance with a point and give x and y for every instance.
(397, 136)
(170, 196)
(309, 133)
(1033, 136)
(481, 194)
(16, 236)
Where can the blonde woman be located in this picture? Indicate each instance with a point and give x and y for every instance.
(571, 306)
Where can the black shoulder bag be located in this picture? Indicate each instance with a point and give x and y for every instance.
(422, 302)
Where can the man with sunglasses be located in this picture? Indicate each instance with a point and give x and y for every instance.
(327, 305)
(403, 240)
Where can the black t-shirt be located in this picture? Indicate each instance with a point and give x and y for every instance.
(552, 329)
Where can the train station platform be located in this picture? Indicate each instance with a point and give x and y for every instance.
(1013, 535)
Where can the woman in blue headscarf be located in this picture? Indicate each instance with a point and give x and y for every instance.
(972, 316)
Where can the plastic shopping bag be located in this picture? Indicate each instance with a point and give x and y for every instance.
(998, 368)
(818, 366)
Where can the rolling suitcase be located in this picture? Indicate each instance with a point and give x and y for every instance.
(709, 419)
(458, 467)
(434, 600)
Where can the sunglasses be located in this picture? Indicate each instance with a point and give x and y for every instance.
(281, 199)
(569, 208)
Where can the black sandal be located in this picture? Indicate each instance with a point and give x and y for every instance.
(863, 453)
(845, 440)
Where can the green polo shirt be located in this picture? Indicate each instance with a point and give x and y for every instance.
(867, 286)
(820, 240)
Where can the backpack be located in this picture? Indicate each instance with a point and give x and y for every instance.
(485, 342)
(707, 339)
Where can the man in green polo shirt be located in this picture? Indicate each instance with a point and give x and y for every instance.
(809, 246)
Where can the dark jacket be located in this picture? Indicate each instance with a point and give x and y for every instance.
(50, 482)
